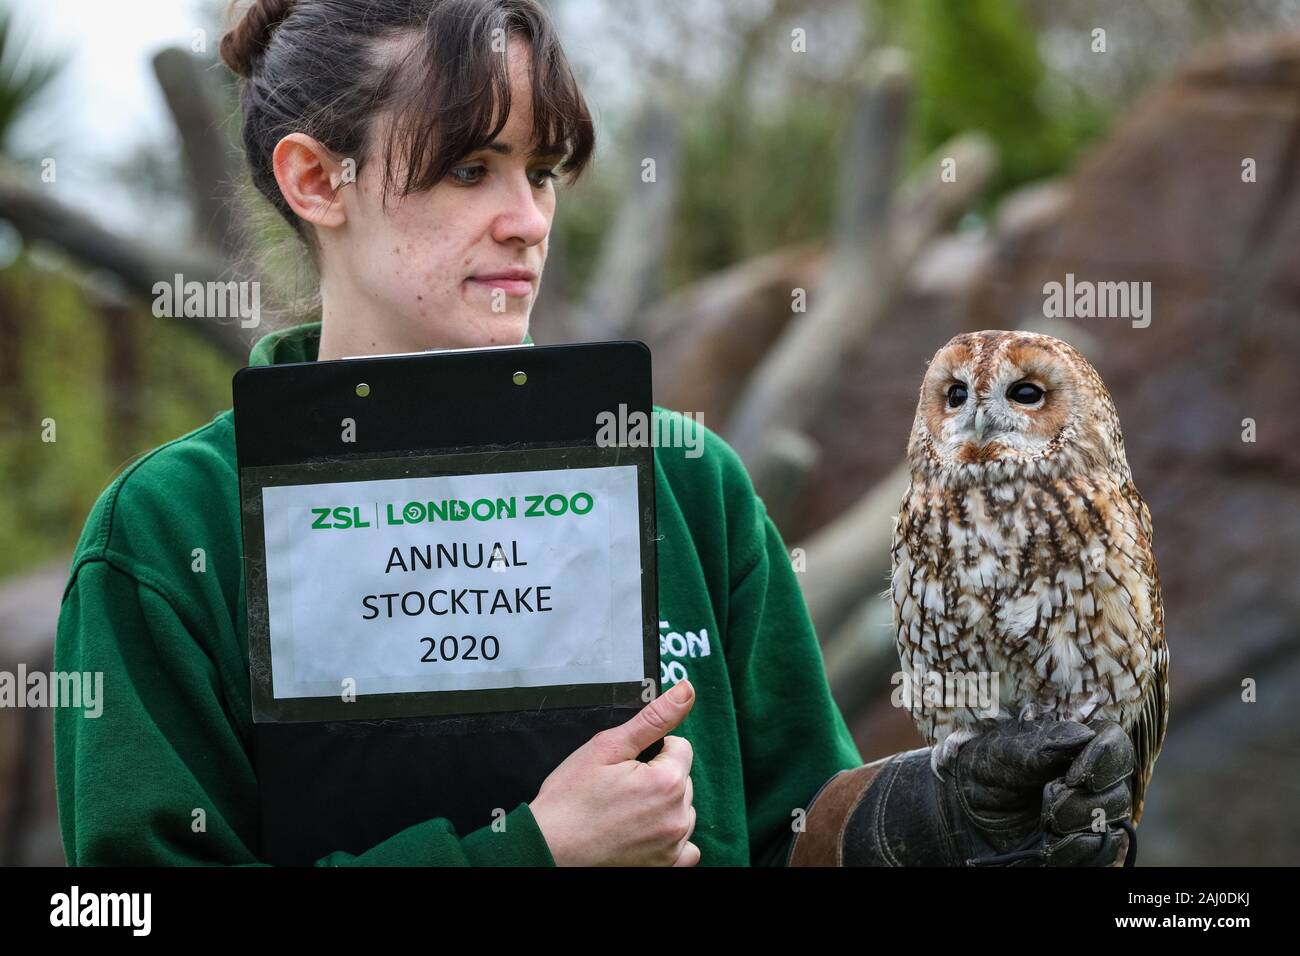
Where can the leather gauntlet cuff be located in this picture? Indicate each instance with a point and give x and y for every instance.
(885, 813)
(902, 820)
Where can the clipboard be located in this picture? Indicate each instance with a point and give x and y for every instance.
(344, 772)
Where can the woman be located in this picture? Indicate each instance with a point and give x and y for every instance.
(414, 150)
(340, 113)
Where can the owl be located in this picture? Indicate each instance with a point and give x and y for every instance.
(1024, 583)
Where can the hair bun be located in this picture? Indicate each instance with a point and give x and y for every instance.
(247, 40)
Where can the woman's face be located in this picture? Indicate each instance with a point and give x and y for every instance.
(455, 266)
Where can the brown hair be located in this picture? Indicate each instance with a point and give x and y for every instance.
(323, 68)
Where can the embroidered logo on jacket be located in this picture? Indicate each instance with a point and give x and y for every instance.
(681, 645)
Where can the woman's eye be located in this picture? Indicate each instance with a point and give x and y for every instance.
(1025, 393)
(463, 169)
(469, 175)
(956, 395)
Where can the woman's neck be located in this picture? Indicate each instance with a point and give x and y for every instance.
(351, 325)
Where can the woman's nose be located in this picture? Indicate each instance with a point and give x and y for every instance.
(524, 213)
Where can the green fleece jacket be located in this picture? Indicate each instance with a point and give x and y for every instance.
(164, 774)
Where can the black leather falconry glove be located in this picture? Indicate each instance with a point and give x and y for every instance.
(1021, 794)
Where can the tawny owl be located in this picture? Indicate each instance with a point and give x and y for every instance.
(1022, 560)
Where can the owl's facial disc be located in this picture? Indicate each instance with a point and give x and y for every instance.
(994, 403)
(982, 415)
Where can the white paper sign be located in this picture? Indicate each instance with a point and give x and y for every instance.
(519, 579)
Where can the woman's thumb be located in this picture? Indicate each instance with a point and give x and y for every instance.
(656, 719)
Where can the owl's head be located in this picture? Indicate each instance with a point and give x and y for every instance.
(994, 404)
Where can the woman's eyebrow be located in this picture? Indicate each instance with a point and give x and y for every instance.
(546, 151)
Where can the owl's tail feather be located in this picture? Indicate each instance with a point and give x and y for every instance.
(1131, 856)
(1140, 782)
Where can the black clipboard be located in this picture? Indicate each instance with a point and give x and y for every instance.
(337, 774)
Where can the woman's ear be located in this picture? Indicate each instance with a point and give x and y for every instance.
(309, 177)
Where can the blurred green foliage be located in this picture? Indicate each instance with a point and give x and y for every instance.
(754, 180)
(753, 185)
(61, 360)
(23, 75)
(977, 67)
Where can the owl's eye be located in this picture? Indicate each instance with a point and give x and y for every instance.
(956, 395)
(1026, 393)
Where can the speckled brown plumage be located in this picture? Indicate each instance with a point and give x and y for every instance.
(1022, 552)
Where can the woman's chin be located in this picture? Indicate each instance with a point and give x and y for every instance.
(478, 327)
(499, 319)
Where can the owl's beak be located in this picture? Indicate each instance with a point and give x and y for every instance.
(980, 424)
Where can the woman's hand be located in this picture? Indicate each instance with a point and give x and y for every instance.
(603, 807)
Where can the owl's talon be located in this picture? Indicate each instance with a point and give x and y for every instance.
(946, 752)
(1026, 713)
(1089, 710)
(934, 766)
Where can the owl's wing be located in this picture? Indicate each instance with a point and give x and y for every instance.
(1148, 731)
(906, 590)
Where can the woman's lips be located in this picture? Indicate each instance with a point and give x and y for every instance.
(509, 286)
